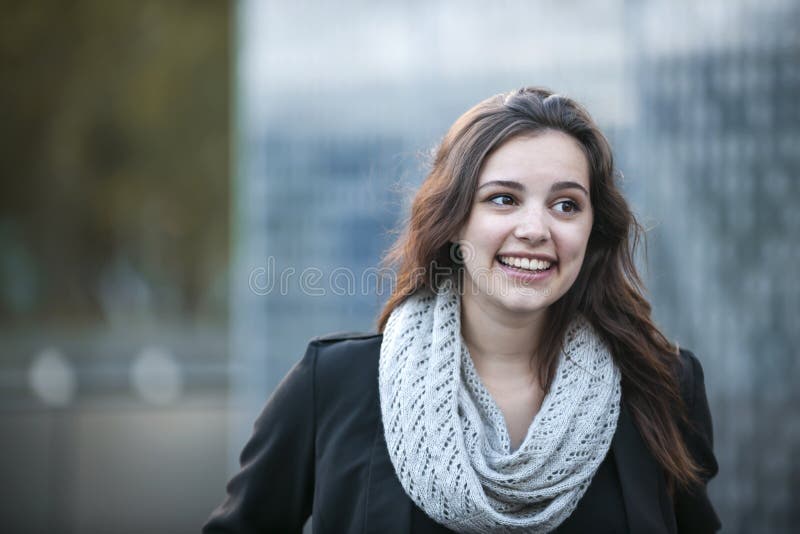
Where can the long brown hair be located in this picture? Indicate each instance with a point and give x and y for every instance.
(608, 290)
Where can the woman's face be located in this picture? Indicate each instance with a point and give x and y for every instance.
(525, 239)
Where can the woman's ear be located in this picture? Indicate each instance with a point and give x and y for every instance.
(461, 251)
(455, 253)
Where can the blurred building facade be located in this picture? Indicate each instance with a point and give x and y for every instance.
(698, 102)
(717, 148)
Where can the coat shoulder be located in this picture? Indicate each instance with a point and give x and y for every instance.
(690, 371)
(346, 336)
(339, 348)
(693, 509)
(346, 362)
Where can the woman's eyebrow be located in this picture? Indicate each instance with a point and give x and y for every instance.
(559, 186)
(517, 186)
(511, 184)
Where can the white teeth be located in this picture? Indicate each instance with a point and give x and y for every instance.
(525, 263)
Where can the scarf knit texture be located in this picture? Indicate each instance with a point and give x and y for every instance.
(447, 438)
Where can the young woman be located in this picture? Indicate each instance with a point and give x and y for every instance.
(518, 384)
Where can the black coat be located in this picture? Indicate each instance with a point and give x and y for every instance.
(318, 448)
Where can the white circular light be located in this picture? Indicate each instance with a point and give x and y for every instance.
(156, 376)
(52, 377)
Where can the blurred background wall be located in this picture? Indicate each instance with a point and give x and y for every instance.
(114, 253)
(192, 190)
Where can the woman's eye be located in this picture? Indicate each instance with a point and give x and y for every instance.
(502, 200)
(568, 206)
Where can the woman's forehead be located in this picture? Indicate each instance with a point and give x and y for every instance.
(537, 160)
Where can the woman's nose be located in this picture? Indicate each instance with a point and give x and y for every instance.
(533, 227)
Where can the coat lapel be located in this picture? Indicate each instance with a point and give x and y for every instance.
(388, 508)
(643, 487)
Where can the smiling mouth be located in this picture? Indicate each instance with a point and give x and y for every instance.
(525, 264)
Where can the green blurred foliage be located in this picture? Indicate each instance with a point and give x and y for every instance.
(114, 143)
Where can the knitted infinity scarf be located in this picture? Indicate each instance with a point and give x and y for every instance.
(447, 437)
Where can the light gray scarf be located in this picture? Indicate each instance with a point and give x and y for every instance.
(447, 438)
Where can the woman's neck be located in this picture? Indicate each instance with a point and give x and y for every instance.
(502, 345)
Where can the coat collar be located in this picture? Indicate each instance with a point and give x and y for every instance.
(647, 505)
